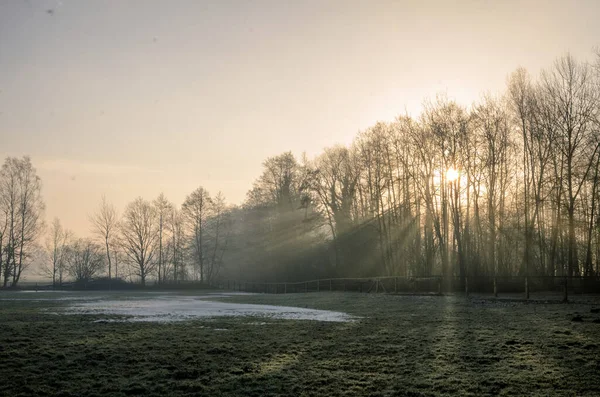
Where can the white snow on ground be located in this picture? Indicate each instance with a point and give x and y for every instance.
(178, 308)
(58, 298)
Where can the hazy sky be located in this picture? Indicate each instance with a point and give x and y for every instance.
(129, 98)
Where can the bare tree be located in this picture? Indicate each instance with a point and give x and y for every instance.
(196, 209)
(105, 223)
(56, 251)
(116, 250)
(218, 230)
(163, 208)
(176, 246)
(20, 194)
(278, 184)
(492, 124)
(333, 182)
(575, 100)
(139, 232)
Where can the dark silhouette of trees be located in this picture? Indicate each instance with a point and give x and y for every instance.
(84, 260)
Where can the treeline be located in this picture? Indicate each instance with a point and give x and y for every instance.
(149, 240)
(509, 186)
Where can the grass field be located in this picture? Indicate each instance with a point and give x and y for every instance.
(400, 345)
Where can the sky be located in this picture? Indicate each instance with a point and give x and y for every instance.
(134, 98)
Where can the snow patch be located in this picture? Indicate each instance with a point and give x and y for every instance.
(178, 308)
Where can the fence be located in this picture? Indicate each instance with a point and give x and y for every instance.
(378, 284)
(427, 285)
(398, 285)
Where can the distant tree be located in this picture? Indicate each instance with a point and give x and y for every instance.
(84, 260)
(139, 232)
(218, 232)
(196, 209)
(175, 224)
(105, 224)
(116, 251)
(163, 208)
(57, 244)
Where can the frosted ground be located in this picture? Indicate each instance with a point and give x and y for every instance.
(197, 343)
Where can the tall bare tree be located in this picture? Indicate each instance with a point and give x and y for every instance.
(56, 250)
(163, 208)
(139, 231)
(20, 194)
(218, 232)
(105, 223)
(176, 226)
(575, 100)
(196, 209)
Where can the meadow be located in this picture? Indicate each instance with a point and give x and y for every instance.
(389, 346)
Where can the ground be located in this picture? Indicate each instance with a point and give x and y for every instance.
(398, 346)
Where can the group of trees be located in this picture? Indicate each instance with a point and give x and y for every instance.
(508, 186)
(150, 239)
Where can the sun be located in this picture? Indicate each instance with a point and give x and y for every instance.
(452, 174)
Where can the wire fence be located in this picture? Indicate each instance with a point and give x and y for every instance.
(435, 285)
(426, 285)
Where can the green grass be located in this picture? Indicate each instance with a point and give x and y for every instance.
(401, 346)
